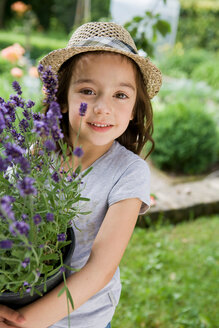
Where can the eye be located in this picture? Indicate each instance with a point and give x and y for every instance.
(87, 92)
(121, 95)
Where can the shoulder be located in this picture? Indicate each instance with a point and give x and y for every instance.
(126, 161)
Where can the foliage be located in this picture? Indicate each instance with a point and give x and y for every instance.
(186, 138)
(198, 64)
(140, 26)
(170, 277)
(99, 9)
(62, 12)
(37, 202)
(5, 65)
(198, 24)
(40, 44)
(183, 60)
(209, 72)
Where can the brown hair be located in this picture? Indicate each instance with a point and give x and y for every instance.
(140, 128)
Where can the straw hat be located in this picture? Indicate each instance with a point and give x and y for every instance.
(106, 36)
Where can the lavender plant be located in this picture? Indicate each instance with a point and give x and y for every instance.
(38, 199)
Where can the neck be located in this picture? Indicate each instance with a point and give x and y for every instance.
(91, 154)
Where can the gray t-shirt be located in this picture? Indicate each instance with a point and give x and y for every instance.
(117, 175)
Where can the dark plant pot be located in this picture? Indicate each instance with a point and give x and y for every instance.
(14, 301)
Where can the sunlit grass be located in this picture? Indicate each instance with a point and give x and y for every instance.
(170, 277)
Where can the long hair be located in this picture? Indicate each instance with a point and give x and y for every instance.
(140, 128)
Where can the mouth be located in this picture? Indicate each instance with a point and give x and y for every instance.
(100, 127)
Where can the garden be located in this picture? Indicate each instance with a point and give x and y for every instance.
(170, 273)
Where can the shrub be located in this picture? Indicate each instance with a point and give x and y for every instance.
(198, 24)
(208, 72)
(184, 60)
(186, 139)
(40, 44)
(5, 65)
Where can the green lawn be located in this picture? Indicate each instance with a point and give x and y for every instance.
(170, 277)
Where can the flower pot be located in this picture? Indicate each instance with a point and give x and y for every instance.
(15, 301)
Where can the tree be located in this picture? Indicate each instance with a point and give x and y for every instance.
(2, 10)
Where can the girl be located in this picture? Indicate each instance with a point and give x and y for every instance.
(100, 67)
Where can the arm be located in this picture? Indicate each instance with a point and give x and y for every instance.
(9, 317)
(107, 251)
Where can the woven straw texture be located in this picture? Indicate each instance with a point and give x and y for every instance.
(151, 74)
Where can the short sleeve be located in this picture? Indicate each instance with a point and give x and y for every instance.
(133, 183)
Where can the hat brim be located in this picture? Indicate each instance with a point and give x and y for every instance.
(151, 74)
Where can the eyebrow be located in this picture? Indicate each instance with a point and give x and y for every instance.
(83, 81)
(127, 85)
(122, 84)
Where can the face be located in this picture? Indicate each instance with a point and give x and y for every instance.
(107, 83)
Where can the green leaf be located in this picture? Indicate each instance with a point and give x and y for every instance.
(35, 290)
(50, 257)
(163, 27)
(61, 291)
(87, 171)
(70, 298)
(137, 19)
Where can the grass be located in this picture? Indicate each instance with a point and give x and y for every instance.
(170, 277)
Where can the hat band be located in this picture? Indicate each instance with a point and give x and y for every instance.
(105, 42)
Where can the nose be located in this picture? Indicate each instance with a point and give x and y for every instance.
(102, 106)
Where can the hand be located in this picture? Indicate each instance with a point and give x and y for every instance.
(10, 318)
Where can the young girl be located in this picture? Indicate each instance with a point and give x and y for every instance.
(100, 67)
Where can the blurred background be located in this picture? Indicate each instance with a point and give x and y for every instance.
(170, 272)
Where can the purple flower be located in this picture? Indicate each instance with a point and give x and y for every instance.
(61, 237)
(23, 125)
(54, 111)
(50, 82)
(26, 114)
(16, 101)
(27, 289)
(16, 87)
(55, 176)
(40, 68)
(78, 152)
(3, 165)
(37, 219)
(2, 122)
(82, 109)
(41, 128)
(69, 178)
(62, 269)
(5, 205)
(17, 137)
(30, 104)
(50, 217)
(50, 145)
(40, 152)
(6, 244)
(25, 262)
(20, 226)
(24, 164)
(57, 133)
(26, 187)
(14, 152)
(36, 116)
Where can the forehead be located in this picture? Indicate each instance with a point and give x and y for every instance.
(93, 60)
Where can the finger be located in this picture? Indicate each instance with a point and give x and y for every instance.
(5, 325)
(10, 314)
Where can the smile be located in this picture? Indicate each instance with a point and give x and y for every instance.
(100, 125)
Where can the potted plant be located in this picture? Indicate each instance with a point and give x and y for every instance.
(38, 199)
